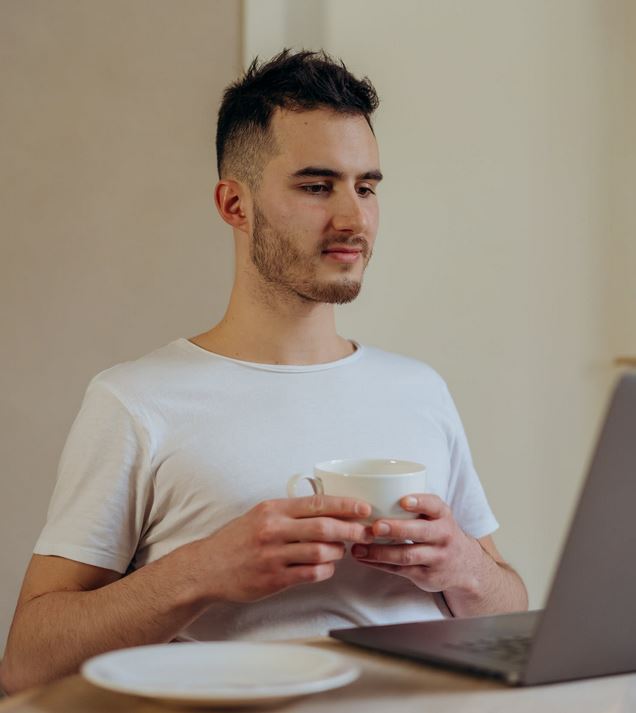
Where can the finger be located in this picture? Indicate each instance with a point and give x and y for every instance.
(393, 568)
(305, 573)
(416, 530)
(325, 529)
(416, 574)
(402, 555)
(312, 552)
(331, 505)
(426, 504)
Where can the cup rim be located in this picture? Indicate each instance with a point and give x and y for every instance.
(329, 466)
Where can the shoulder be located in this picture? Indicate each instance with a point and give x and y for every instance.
(406, 369)
(135, 383)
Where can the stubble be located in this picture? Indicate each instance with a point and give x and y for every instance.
(292, 273)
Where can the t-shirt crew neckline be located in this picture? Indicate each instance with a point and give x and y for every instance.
(185, 343)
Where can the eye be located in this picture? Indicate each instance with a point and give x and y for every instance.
(322, 188)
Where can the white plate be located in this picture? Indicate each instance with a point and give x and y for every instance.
(220, 672)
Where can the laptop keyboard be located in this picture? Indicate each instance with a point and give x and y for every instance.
(506, 648)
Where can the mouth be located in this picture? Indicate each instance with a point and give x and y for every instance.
(346, 255)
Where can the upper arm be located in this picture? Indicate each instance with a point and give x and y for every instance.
(48, 573)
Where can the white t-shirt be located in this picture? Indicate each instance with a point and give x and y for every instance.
(168, 448)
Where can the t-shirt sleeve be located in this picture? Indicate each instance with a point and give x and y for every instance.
(103, 491)
(466, 496)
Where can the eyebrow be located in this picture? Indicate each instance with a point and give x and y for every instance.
(321, 172)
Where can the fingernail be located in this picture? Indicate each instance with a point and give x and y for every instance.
(360, 551)
(362, 509)
(382, 529)
(410, 502)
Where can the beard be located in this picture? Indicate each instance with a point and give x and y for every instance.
(284, 266)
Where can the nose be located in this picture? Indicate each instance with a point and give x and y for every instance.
(350, 213)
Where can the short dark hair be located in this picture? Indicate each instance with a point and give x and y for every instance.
(296, 81)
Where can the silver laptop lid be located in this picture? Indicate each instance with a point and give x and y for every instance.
(588, 627)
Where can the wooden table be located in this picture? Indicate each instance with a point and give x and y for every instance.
(386, 685)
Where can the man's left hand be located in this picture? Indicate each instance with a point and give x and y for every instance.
(442, 557)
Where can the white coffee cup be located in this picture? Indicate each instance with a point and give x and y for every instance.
(380, 482)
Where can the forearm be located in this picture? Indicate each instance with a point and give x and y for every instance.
(493, 588)
(54, 633)
(275, 545)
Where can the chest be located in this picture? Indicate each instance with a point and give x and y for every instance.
(231, 453)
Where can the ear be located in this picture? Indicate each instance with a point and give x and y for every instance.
(232, 202)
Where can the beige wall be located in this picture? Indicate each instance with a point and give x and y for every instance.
(111, 244)
(621, 275)
(505, 255)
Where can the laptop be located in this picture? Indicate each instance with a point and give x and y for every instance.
(588, 625)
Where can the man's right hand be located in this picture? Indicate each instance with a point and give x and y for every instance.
(69, 611)
(275, 545)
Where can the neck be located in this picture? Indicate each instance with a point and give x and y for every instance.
(263, 324)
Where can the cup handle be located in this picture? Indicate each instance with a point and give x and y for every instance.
(316, 484)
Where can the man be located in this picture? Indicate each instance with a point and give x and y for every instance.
(169, 518)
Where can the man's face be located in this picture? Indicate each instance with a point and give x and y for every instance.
(317, 195)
